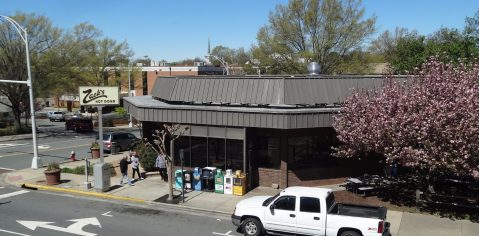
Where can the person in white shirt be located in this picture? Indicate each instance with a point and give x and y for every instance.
(135, 165)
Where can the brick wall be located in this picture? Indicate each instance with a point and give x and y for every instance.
(267, 177)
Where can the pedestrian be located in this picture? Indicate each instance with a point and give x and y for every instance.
(135, 165)
(161, 165)
(394, 169)
(124, 170)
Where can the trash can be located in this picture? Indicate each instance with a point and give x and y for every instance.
(179, 180)
(239, 184)
(219, 181)
(114, 149)
(197, 179)
(228, 182)
(208, 179)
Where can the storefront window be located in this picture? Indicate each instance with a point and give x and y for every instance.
(234, 154)
(216, 152)
(310, 151)
(198, 152)
(268, 150)
(184, 144)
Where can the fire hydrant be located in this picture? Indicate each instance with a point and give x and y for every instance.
(72, 156)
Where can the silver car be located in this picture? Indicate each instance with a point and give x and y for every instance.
(123, 140)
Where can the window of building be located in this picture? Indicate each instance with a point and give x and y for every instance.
(311, 151)
(267, 152)
(182, 143)
(234, 154)
(309, 204)
(199, 148)
(216, 152)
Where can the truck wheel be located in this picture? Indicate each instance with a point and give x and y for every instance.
(252, 227)
(350, 233)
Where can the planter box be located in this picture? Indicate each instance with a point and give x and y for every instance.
(95, 153)
(53, 177)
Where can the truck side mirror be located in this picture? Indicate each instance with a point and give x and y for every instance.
(271, 209)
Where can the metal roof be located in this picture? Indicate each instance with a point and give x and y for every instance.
(145, 108)
(277, 91)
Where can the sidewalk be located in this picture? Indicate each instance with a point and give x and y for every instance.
(152, 190)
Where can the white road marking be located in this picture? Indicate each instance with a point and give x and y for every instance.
(43, 146)
(10, 232)
(75, 228)
(2, 187)
(13, 194)
(107, 214)
(226, 234)
(6, 145)
(2, 168)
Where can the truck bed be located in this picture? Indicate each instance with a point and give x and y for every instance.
(359, 211)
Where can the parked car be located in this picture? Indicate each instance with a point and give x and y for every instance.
(308, 211)
(124, 140)
(79, 124)
(57, 116)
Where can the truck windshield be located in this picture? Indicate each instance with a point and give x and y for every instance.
(330, 201)
(270, 199)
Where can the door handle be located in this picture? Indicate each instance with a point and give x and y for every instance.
(292, 215)
(316, 218)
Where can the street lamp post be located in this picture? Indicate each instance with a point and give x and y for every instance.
(36, 160)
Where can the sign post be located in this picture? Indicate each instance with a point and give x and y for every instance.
(100, 96)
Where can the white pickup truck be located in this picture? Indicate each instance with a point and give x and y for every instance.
(308, 211)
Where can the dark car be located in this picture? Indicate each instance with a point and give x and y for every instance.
(123, 140)
(79, 124)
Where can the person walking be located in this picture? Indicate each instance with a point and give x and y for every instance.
(124, 170)
(135, 165)
(161, 165)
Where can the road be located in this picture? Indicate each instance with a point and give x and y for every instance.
(15, 155)
(35, 213)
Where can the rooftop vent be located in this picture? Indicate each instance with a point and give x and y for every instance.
(314, 68)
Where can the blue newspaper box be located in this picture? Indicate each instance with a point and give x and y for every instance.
(197, 179)
(179, 179)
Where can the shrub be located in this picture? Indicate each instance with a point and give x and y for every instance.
(147, 156)
(79, 170)
(121, 111)
(53, 166)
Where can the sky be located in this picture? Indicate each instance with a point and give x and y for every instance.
(176, 30)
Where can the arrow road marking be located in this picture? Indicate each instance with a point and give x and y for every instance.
(11, 232)
(107, 214)
(13, 194)
(75, 228)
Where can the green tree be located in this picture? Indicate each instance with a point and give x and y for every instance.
(42, 37)
(312, 30)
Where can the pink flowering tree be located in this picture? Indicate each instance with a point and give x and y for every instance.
(429, 122)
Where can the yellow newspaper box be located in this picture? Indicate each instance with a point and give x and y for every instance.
(239, 184)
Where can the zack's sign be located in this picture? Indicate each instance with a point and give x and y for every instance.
(99, 96)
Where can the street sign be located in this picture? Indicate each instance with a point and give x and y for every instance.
(99, 95)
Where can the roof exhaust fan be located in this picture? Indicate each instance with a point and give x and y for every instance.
(314, 68)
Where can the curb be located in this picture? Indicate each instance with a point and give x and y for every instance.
(93, 194)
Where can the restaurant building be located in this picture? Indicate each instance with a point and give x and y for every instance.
(277, 129)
